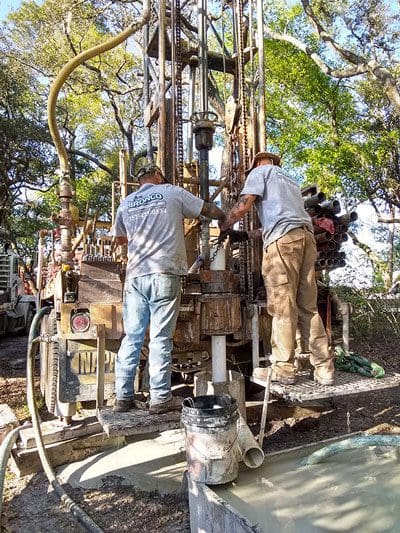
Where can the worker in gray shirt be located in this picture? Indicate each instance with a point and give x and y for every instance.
(288, 268)
(150, 222)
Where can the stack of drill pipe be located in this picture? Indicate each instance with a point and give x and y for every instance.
(329, 238)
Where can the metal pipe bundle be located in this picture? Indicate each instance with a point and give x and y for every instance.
(330, 229)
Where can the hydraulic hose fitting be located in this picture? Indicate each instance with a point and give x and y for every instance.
(65, 219)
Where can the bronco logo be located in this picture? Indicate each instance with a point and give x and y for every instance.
(138, 201)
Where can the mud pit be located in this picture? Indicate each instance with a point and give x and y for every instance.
(29, 507)
(356, 490)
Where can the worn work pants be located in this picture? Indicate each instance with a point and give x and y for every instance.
(289, 277)
(153, 299)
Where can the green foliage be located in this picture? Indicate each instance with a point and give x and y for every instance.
(343, 135)
(308, 115)
(94, 190)
(26, 157)
(26, 222)
(98, 110)
(374, 314)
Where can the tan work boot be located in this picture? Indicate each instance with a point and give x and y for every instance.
(172, 404)
(324, 374)
(279, 375)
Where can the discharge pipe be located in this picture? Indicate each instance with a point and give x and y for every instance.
(251, 452)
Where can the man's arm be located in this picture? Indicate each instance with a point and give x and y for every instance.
(210, 210)
(119, 241)
(255, 233)
(238, 211)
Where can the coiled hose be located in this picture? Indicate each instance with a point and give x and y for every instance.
(33, 344)
(350, 444)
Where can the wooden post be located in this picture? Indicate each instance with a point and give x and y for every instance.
(346, 326)
(123, 173)
(100, 370)
(265, 407)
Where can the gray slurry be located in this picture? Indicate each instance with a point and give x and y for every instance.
(156, 462)
(357, 491)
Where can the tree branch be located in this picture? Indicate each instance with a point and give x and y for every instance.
(92, 159)
(359, 64)
(347, 72)
(349, 56)
(389, 220)
(385, 78)
(367, 250)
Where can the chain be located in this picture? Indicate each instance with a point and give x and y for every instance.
(242, 264)
(216, 250)
(242, 95)
(178, 101)
(245, 262)
(249, 261)
(235, 187)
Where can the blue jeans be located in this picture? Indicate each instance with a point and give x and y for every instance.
(153, 299)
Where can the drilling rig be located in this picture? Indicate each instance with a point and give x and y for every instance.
(223, 320)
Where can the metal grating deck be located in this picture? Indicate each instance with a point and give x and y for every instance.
(137, 422)
(346, 383)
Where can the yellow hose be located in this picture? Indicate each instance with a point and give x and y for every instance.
(72, 65)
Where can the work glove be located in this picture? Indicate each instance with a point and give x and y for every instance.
(223, 234)
(238, 236)
(235, 236)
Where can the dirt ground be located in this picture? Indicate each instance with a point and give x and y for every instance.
(29, 506)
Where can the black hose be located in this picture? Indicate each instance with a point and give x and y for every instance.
(5, 450)
(33, 344)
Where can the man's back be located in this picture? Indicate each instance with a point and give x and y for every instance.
(280, 205)
(151, 219)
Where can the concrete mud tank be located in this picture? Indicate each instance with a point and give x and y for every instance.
(355, 490)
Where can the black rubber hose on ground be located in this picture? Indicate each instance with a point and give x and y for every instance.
(33, 344)
(5, 451)
(361, 441)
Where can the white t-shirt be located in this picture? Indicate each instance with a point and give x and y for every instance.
(152, 220)
(280, 205)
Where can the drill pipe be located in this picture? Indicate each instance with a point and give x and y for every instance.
(314, 200)
(327, 246)
(323, 237)
(331, 206)
(348, 218)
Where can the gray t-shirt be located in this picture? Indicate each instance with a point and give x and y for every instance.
(152, 220)
(280, 205)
